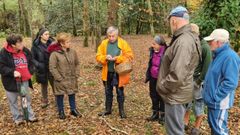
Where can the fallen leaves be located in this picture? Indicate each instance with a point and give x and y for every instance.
(90, 101)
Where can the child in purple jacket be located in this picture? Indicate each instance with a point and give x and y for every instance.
(157, 50)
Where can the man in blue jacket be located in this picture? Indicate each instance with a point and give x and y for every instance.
(221, 81)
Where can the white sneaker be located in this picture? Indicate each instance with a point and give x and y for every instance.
(19, 122)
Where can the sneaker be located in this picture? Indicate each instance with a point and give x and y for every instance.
(33, 120)
(19, 122)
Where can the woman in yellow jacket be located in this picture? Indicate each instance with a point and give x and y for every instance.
(112, 51)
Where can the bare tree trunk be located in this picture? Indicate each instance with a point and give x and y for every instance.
(97, 24)
(4, 16)
(119, 17)
(73, 20)
(24, 19)
(92, 35)
(85, 22)
(151, 17)
(36, 16)
(139, 24)
(129, 25)
(112, 12)
(20, 17)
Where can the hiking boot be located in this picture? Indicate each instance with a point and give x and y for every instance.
(104, 113)
(121, 110)
(154, 116)
(161, 119)
(61, 115)
(75, 113)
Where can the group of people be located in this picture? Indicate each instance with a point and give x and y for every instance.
(189, 70)
(53, 62)
(192, 70)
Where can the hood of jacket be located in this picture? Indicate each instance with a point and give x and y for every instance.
(55, 47)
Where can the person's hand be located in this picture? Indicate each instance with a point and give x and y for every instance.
(16, 74)
(114, 58)
(109, 57)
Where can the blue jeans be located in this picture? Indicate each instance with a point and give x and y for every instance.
(71, 99)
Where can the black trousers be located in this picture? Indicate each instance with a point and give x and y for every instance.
(112, 81)
(157, 102)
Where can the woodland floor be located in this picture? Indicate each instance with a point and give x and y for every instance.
(90, 101)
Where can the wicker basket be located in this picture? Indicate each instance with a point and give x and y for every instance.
(123, 68)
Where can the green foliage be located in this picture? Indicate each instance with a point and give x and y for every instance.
(136, 16)
(220, 14)
(2, 34)
(58, 15)
(10, 4)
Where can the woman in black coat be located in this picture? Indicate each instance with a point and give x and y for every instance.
(41, 61)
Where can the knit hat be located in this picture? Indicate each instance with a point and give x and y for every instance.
(159, 40)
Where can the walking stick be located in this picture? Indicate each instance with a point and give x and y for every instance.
(23, 93)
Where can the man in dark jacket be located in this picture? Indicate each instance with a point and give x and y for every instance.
(16, 68)
(175, 79)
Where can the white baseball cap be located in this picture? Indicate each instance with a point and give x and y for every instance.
(218, 35)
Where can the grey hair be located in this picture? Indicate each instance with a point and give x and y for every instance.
(112, 29)
(186, 16)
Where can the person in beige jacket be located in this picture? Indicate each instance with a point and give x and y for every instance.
(64, 66)
(175, 79)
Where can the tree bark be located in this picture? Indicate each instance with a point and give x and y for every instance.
(36, 16)
(112, 12)
(24, 28)
(73, 20)
(4, 16)
(151, 17)
(97, 24)
(119, 14)
(85, 22)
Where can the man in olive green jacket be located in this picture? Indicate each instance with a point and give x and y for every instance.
(198, 76)
(175, 80)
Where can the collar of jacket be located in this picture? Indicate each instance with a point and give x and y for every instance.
(55, 47)
(181, 30)
(151, 50)
(225, 46)
(36, 42)
(119, 40)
